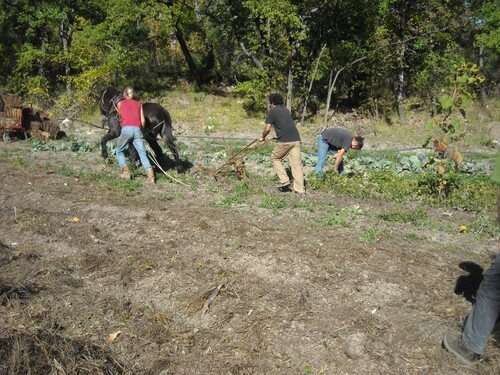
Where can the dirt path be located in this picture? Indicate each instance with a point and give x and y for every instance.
(80, 261)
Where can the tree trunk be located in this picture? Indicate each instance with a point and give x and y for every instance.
(400, 85)
(289, 88)
(193, 69)
(331, 86)
(44, 40)
(256, 61)
(304, 108)
(66, 34)
(483, 94)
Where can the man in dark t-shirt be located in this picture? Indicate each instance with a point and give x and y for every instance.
(336, 141)
(288, 144)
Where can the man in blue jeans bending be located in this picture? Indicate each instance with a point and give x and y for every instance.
(337, 142)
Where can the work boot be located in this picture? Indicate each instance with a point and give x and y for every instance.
(150, 174)
(455, 345)
(282, 185)
(125, 173)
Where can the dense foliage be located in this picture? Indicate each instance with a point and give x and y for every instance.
(377, 54)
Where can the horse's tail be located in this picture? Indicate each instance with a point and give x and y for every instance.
(166, 130)
(168, 136)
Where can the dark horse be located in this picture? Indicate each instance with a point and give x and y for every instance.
(158, 122)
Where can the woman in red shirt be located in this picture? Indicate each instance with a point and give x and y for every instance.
(132, 116)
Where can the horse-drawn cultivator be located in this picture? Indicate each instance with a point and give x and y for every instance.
(236, 163)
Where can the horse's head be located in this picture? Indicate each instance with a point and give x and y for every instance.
(109, 100)
(106, 103)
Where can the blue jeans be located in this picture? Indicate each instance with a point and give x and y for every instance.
(484, 313)
(134, 133)
(323, 149)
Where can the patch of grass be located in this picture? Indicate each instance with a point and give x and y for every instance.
(334, 219)
(304, 204)
(226, 113)
(417, 217)
(343, 217)
(244, 189)
(241, 191)
(474, 193)
(370, 235)
(66, 171)
(385, 185)
(485, 224)
(166, 198)
(273, 203)
(128, 186)
(18, 161)
(471, 192)
(308, 369)
(231, 201)
(412, 236)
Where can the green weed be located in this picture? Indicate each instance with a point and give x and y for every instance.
(244, 189)
(485, 224)
(19, 161)
(231, 201)
(273, 203)
(200, 266)
(411, 236)
(343, 217)
(417, 217)
(370, 235)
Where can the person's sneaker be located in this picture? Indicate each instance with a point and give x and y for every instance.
(454, 345)
(282, 185)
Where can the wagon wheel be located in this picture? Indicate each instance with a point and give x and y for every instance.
(6, 137)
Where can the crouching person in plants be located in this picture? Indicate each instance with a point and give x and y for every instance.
(133, 121)
(336, 141)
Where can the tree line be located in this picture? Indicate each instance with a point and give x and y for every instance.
(373, 55)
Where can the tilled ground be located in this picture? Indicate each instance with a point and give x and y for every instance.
(167, 280)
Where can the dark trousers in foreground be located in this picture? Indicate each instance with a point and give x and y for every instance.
(482, 318)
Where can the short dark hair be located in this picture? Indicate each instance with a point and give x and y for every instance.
(360, 140)
(276, 99)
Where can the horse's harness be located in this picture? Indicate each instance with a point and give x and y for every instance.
(114, 108)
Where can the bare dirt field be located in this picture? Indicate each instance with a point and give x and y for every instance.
(166, 280)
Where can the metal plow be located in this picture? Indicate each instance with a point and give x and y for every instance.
(235, 166)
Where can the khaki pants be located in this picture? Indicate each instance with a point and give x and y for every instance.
(292, 151)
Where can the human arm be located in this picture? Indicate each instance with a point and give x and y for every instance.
(143, 119)
(265, 132)
(338, 158)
